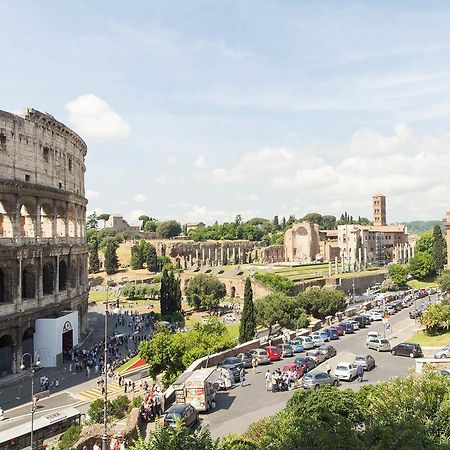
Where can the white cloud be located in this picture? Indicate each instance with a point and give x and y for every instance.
(92, 195)
(200, 163)
(139, 198)
(162, 179)
(210, 215)
(172, 160)
(93, 117)
(133, 217)
(248, 197)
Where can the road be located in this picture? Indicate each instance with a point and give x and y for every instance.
(239, 407)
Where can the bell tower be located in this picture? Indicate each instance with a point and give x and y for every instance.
(379, 210)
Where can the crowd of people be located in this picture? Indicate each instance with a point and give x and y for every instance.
(153, 402)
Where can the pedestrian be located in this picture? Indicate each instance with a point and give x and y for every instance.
(2, 417)
(96, 446)
(254, 364)
(70, 367)
(242, 376)
(360, 373)
(268, 378)
(328, 367)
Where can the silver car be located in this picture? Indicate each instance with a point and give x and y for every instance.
(286, 350)
(443, 353)
(317, 355)
(261, 355)
(379, 344)
(315, 379)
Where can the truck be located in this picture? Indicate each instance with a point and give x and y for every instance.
(197, 388)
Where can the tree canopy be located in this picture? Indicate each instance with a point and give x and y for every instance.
(422, 265)
(321, 303)
(168, 229)
(205, 291)
(247, 326)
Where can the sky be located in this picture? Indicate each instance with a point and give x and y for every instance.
(202, 110)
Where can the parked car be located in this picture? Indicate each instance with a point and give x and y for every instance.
(286, 350)
(317, 355)
(379, 344)
(315, 379)
(328, 350)
(332, 334)
(372, 335)
(187, 414)
(339, 330)
(346, 371)
(347, 327)
(407, 349)
(246, 359)
(365, 360)
(444, 372)
(293, 366)
(415, 313)
(366, 315)
(375, 315)
(443, 353)
(390, 309)
(317, 340)
(306, 341)
(233, 364)
(229, 318)
(273, 352)
(363, 321)
(261, 355)
(323, 334)
(297, 346)
(354, 324)
(306, 362)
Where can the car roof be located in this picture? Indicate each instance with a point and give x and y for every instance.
(177, 408)
(362, 355)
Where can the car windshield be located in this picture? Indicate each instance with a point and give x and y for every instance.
(341, 367)
(384, 341)
(360, 358)
(307, 376)
(172, 417)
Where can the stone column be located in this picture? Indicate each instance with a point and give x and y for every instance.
(39, 275)
(335, 264)
(54, 221)
(19, 284)
(359, 259)
(15, 220)
(329, 269)
(38, 225)
(56, 279)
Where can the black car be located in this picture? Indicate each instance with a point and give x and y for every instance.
(306, 363)
(407, 349)
(415, 314)
(187, 414)
(233, 364)
(328, 350)
(362, 321)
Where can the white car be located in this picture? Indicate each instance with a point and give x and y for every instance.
(376, 315)
(346, 371)
(306, 341)
(354, 323)
(229, 319)
(372, 335)
(317, 340)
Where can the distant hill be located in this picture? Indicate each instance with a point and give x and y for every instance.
(420, 226)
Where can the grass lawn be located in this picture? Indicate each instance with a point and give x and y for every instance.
(429, 282)
(431, 341)
(129, 363)
(233, 329)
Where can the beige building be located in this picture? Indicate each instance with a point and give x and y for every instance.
(193, 226)
(118, 223)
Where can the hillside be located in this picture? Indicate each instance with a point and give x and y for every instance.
(420, 226)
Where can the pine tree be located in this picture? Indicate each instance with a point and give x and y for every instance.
(111, 261)
(247, 327)
(137, 258)
(276, 224)
(178, 295)
(152, 259)
(94, 262)
(439, 249)
(164, 293)
(283, 223)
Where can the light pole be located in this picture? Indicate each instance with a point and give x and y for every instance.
(33, 365)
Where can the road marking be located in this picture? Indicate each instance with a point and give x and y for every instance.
(96, 392)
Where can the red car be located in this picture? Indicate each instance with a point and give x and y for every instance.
(338, 330)
(273, 352)
(293, 366)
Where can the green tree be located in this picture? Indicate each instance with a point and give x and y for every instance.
(321, 303)
(398, 273)
(151, 225)
(111, 260)
(329, 222)
(92, 221)
(152, 259)
(421, 265)
(164, 293)
(436, 318)
(439, 249)
(168, 229)
(137, 258)
(444, 281)
(104, 218)
(95, 411)
(143, 218)
(178, 296)
(247, 326)
(94, 262)
(205, 291)
(69, 437)
(425, 243)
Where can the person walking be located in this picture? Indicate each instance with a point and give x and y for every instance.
(268, 378)
(254, 364)
(242, 376)
(360, 373)
(328, 367)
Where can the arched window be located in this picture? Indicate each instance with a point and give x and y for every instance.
(46, 221)
(6, 227)
(62, 275)
(28, 282)
(47, 278)
(26, 221)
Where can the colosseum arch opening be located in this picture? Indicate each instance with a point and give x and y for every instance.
(46, 221)
(28, 282)
(71, 222)
(6, 355)
(60, 221)
(27, 344)
(62, 275)
(48, 278)
(6, 224)
(27, 222)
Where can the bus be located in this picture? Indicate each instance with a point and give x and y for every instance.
(45, 427)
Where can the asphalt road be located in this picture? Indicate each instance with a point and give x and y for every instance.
(237, 408)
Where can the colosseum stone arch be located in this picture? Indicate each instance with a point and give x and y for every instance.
(43, 251)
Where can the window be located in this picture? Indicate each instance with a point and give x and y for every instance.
(60, 185)
(70, 164)
(27, 177)
(2, 141)
(46, 154)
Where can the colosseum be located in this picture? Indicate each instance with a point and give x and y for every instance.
(43, 251)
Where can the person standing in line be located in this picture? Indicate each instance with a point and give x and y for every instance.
(268, 378)
(360, 373)
(254, 364)
(242, 376)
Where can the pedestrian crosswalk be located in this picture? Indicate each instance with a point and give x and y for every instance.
(96, 393)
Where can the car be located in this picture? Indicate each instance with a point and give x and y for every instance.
(375, 315)
(363, 321)
(415, 313)
(323, 334)
(354, 324)
(364, 360)
(346, 371)
(317, 355)
(407, 349)
(372, 335)
(233, 364)
(306, 362)
(366, 316)
(229, 319)
(306, 341)
(261, 355)
(379, 344)
(315, 379)
(339, 330)
(317, 340)
(328, 350)
(297, 346)
(347, 327)
(443, 353)
(186, 414)
(286, 350)
(295, 367)
(332, 334)
(444, 372)
(273, 352)
(246, 359)
(390, 309)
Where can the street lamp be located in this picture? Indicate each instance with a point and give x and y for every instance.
(33, 365)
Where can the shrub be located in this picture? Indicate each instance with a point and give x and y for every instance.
(276, 282)
(95, 411)
(119, 406)
(69, 437)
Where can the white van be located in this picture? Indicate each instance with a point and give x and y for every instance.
(372, 335)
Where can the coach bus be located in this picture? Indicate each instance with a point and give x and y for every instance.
(46, 426)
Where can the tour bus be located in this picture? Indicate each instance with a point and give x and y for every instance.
(44, 427)
(375, 289)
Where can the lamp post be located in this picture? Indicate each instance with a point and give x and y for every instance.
(34, 364)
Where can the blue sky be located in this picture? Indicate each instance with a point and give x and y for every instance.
(206, 109)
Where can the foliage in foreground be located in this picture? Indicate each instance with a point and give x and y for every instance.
(277, 282)
(436, 318)
(69, 437)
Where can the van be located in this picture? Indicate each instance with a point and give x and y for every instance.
(372, 335)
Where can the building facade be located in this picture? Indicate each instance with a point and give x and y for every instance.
(118, 223)
(43, 251)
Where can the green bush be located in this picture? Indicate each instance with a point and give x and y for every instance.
(69, 437)
(276, 282)
(95, 411)
(119, 406)
(135, 403)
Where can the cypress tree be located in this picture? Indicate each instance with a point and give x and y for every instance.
(164, 293)
(151, 259)
(439, 249)
(247, 327)
(178, 295)
(94, 262)
(111, 261)
(137, 258)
